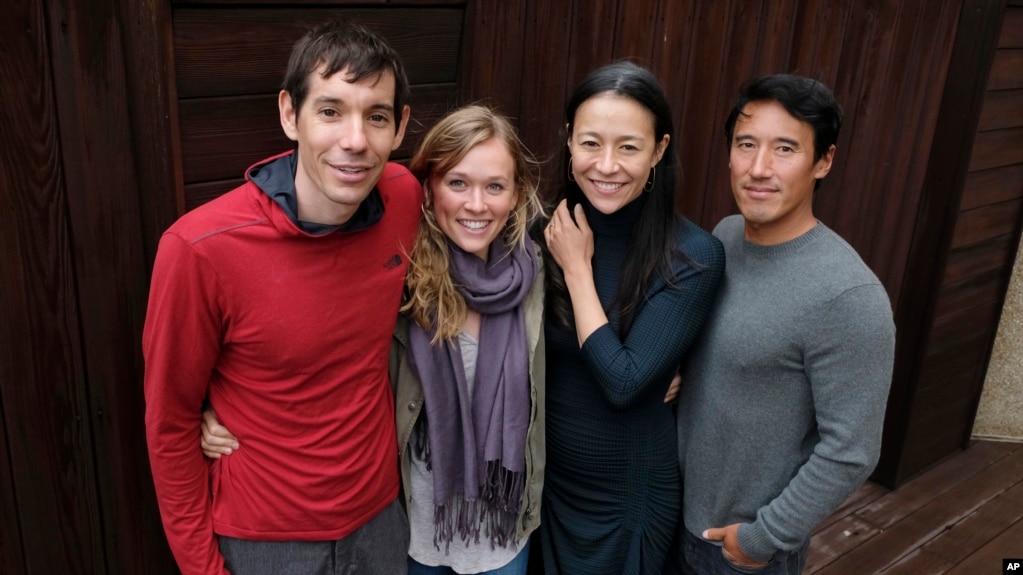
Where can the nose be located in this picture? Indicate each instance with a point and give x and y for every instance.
(761, 166)
(607, 162)
(474, 203)
(353, 136)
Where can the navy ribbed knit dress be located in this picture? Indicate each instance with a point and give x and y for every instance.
(611, 492)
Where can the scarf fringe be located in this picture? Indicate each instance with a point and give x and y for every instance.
(497, 508)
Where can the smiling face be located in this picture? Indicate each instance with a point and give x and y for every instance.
(613, 147)
(345, 133)
(472, 201)
(773, 172)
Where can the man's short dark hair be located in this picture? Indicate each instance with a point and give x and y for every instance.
(340, 45)
(806, 99)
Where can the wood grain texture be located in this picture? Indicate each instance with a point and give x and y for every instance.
(542, 96)
(1002, 109)
(241, 51)
(1005, 69)
(970, 534)
(94, 99)
(932, 228)
(987, 222)
(43, 389)
(987, 187)
(1012, 28)
(997, 148)
(876, 554)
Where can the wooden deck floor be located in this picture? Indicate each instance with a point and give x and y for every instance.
(961, 517)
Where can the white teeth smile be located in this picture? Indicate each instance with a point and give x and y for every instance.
(473, 225)
(607, 186)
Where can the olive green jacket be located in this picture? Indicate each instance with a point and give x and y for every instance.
(408, 397)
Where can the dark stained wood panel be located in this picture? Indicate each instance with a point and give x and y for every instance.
(706, 194)
(48, 435)
(967, 261)
(984, 287)
(954, 331)
(1012, 29)
(997, 148)
(542, 97)
(672, 30)
(1002, 109)
(492, 71)
(220, 137)
(922, 335)
(594, 28)
(220, 52)
(952, 353)
(987, 222)
(1005, 69)
(992, 186)
(634, 41)
(315, 2)
(198, 194)
(94, 89)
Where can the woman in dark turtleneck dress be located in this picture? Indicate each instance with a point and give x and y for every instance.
(632, 284)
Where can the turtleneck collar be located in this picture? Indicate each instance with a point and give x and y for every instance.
(619, 223)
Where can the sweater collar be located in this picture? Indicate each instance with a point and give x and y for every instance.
(784, 248)
(276, 178)
(615, 224)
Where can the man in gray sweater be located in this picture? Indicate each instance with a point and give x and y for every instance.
(782, 401)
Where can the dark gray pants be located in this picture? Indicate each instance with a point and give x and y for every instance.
(380, 547)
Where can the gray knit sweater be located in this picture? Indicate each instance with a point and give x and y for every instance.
(783, 399)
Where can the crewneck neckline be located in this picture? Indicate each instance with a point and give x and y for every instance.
(791, 246)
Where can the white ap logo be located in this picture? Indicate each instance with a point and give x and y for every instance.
(1012, 567)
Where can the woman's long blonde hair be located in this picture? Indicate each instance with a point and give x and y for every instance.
(433, 301)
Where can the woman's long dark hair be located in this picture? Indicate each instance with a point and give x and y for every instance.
(652, 246)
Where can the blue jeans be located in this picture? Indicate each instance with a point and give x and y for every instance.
(517, 566)
(699, 557)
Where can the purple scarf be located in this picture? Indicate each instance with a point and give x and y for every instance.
(476, 448)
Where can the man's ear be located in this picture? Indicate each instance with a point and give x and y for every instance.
(289, 116)
(824, 164)
(403, 123)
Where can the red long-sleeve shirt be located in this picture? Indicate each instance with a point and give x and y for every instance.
(287, 334)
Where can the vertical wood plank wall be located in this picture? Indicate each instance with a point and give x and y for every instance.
(985, 237)
(950, 309)
(118, 116)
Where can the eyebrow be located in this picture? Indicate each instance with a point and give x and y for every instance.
(463, 175)
(384, 106)
(629, 137)
(787, 141)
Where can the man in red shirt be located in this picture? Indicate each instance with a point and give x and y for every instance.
(276, 302)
